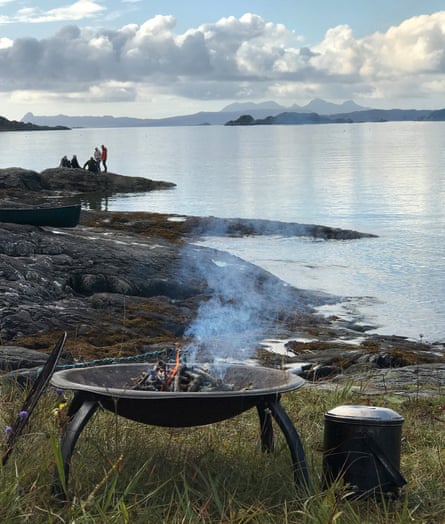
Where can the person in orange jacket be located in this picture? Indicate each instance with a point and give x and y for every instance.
(103, 157)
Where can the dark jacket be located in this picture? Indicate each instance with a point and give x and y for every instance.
(91, 165)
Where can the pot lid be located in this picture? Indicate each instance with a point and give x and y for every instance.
(370, 413)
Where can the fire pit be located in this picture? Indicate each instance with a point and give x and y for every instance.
(112, 388)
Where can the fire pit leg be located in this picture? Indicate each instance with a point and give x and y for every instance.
(267, 444)
(80, 411)
(301, 475)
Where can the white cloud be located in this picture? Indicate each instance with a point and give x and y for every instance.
(400, 63)
(232, 58)
(77, 11)
(417, 45)
(339, 53)
(5, 43)
(109, 92)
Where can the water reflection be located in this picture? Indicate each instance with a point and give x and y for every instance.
(96, 201)
(381, 178)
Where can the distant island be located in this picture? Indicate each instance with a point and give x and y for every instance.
(370, 115)
(14, 125)
(317, 111)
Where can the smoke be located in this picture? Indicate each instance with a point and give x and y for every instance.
(228, 323)
(241, 301)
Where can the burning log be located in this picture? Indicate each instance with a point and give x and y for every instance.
(180, 378)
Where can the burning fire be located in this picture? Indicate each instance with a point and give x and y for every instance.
(180, 378)
(175, 370)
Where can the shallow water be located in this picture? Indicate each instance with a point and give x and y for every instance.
(385, 178)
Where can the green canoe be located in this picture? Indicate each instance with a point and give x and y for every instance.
(65, 216)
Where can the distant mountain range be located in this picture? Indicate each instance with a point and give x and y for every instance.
(316, 111)
(369, 115)
(314, 106)
(230, 112)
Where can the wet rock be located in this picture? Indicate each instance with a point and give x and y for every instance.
(82, 181)
(388, 360)
(373, 365)
(23, 377)
(20, 187)
(423, 380)
(319, 372)
(211, 226)
(122, 283)
(16, 357)
(130, 288)
(20, 179)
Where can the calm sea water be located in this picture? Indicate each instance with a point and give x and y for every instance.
(385, 178)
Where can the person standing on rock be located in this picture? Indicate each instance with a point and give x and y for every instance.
(104, 156)
(97, 157)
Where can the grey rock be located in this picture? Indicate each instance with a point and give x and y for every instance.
(16, 357)
(77, 181)
(69, 280)
(85, 280)
(415, 381)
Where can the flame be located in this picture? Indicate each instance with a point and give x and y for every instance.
(174, 370)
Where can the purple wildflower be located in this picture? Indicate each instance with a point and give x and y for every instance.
(23, 414)
(8, 430)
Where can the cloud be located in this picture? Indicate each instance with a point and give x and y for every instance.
(416, 46)
(231, 49)
(77, 11)
(5, 43)
(231, 58)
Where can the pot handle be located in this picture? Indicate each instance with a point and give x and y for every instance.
(377, 451)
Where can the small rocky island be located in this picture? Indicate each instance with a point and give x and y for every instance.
(126, 284)
(61, 184)
(14, 125)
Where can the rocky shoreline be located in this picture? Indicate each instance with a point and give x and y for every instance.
(20, 187)
(14, 125)
(124, 284)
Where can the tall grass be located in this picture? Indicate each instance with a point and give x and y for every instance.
(125, 472)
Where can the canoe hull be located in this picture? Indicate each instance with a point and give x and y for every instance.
(65, 216)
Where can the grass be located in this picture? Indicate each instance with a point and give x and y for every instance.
(125, 472)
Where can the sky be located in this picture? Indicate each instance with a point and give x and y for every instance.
(152, 59)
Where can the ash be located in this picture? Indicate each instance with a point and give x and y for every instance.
(181, 378)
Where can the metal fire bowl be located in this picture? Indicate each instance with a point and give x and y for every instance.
(109, 386)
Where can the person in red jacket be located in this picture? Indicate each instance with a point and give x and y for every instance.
(104, 156)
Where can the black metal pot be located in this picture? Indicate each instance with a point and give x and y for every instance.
(362, 448)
